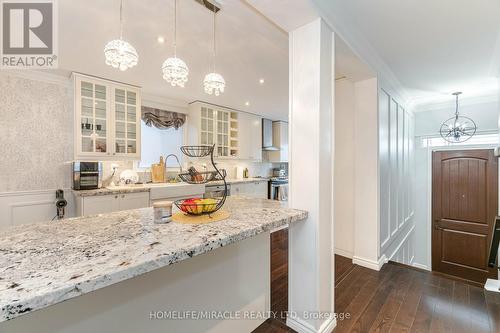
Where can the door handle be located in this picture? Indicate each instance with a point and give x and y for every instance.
(438, 227)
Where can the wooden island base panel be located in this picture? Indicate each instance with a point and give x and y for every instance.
(402, 299)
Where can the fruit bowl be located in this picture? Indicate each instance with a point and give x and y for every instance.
(198, 206)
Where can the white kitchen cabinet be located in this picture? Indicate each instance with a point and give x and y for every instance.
(133, 200)
(107, 120)
(256, 189)
(236, 135)
(280, 140)
(250, 135)
(101, 204)
(210, 124)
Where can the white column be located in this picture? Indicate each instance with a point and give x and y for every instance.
(311, 274)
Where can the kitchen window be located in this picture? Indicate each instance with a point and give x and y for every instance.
(160, 142)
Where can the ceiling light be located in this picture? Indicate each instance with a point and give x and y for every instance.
(247, 103)
(161, 39)
(261, 81)
(458, 128)
(214, 83)
(118, 52)
(175, 71)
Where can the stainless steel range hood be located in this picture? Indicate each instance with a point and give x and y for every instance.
(267, 135)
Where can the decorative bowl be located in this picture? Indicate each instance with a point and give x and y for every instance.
(197, 206)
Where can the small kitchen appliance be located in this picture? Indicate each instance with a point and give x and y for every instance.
(279, 172)
(87, 175)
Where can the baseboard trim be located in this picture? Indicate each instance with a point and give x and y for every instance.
(344, 253)
(371, 264)
(301, 326)
(328, 326)
(421, 266)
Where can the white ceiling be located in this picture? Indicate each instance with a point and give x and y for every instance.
(249, 48)
(433, 47)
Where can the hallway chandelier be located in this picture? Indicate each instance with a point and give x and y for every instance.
(458, 128)
(175, 70)
(119, 53)
(214, 83)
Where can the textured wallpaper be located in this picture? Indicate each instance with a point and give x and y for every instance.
(36, 134)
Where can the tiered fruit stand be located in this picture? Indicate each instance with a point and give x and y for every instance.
(188, 206)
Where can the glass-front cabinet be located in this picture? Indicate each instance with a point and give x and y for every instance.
(219, 127)
(107, 119)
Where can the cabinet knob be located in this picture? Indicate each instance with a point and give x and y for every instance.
(114, 153)
(116, 197)
(123, 195)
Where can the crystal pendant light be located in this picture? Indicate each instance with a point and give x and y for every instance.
(175, 71)
(214, 82)
(118, 52)
(458, 128)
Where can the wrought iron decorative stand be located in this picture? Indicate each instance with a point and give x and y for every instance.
(202, 178)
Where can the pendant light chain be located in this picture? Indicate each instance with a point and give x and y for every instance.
(175, 28)
(215, 38)
(121, 19)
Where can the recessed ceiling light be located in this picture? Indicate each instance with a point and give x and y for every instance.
(261, 81)
(247, 103)
(161, 39)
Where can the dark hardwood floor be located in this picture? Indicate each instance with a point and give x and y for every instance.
(402, 299)
(343, 266)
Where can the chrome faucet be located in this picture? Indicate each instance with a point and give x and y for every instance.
(177, 159)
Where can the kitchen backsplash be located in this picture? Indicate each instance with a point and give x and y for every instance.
(36, 147)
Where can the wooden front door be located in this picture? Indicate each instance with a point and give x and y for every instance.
(464, 207)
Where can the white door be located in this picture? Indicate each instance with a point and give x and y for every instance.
(100, 204)
(133, 200)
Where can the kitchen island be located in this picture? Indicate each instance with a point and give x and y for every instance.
(74, 260)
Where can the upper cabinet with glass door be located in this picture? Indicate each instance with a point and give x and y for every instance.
(213, 125)
(107, 119)
(126, 121)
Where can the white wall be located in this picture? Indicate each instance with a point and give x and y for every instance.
(396, 154)
(344, 171)
(366, 184)
(36, 122)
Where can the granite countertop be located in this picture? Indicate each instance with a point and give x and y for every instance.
(46, 263)
(147, 187)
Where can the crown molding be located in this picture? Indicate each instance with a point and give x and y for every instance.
(433, 105)
(36, 75)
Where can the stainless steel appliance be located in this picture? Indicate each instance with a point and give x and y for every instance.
(267, 135)
(216, 191)
(87, 175)
(279, 172)
(278, 188)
